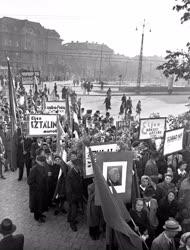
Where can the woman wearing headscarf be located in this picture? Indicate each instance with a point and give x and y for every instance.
(167, 207)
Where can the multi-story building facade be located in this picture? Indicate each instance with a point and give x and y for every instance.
(87, 60)
(30, 46)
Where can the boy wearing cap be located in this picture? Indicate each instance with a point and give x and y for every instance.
(9, 241)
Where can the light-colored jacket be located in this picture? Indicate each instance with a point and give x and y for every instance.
(161, 243)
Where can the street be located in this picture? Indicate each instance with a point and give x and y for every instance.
(55, 234)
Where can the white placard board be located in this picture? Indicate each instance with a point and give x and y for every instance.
(152, 128)
(112, 147)
(173, 141)
(53, 107)
(42, 125)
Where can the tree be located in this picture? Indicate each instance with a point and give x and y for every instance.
(185, 7)
(178, 62)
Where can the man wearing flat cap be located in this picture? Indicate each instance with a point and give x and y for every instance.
(165, 241)
(9, 241)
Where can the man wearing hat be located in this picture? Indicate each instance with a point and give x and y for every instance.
(10, 241)
(165, 241)
(38, 188)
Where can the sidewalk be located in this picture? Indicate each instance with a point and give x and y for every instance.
(55, 234)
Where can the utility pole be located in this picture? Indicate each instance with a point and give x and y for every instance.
(139, 77)
(100, 74)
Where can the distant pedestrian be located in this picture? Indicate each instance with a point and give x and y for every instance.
(138, 109)
(107, 102)
(109, 92)
(55, 88)
(10, 241)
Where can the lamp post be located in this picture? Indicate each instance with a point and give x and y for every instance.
(139, 77)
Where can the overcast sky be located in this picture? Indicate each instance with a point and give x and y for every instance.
(112, 22)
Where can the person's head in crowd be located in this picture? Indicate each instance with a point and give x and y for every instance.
(169, 169)
(45, 145)
(182, 166)
(82, 110)
(171, 195)
(41, 159)
(73, 155)
(107, 114)
(148, 194)
(139, 204)
(154, 155)
(39, 141)
(172, 228)
(57, 159)
(48, 139)
(7, 227)
(168, 178)
(185, 240)
(40, 152)
(145, 181)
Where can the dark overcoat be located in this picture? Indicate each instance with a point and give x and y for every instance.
(94, 213)
(74, 186)
(38, 189)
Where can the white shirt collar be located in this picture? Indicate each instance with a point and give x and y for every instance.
(143, 188)
(181, 172)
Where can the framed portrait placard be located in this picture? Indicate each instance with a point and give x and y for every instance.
(117, 168)
(101, 147)
(173, 141)
(152, 128)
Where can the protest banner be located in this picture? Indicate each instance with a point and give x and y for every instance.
(152, 128)
(173, 141)
(88, 169)
(122, 124)
(117, 169)
(27, 77)
(55, 107)
(42, 125)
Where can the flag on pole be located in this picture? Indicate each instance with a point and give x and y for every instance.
(75, 125)
(126, 237)
(67, 111)
(60, 135)
(13, 118)
(135, 190)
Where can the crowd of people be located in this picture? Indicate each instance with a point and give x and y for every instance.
(160, 214)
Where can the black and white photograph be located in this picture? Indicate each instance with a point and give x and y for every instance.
(115, 173)
(111, 77)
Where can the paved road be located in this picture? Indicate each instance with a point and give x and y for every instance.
(162, 104)
(55, 234)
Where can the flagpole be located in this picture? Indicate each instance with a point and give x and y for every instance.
(12, 117)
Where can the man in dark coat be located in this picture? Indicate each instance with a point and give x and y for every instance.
(74, 193)
(9, 241)
(35, 145)
(38, 189)
(20, 157)
(27, 156)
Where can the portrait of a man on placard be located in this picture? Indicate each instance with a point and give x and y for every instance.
(114, 175)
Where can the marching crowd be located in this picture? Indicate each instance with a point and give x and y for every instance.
(160, 211)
